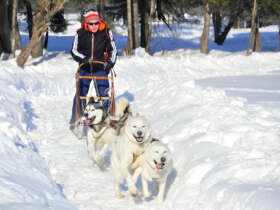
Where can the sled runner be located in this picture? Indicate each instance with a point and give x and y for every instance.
(111, 91)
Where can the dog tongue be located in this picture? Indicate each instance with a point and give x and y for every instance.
(159, 166)
(139, 138)
(87, 121)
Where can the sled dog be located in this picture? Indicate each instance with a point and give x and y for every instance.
(155, 164)
(130, 144)
(101, 131)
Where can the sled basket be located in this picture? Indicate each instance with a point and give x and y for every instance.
(111, 91)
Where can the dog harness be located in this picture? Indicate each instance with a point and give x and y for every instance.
(102, 132)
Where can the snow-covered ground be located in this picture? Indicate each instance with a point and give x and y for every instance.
(218, 113)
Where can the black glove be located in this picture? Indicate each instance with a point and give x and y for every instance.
(107, 66)
(86, 60)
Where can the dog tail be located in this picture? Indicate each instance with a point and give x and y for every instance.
(122, 107)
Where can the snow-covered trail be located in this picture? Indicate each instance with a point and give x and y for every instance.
(82, 183)
(203, 127)
(85, 185)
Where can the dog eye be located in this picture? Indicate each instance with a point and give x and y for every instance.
(157, 152)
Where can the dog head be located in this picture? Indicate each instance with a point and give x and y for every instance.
(158, 155)
(94, 113)
(138, 129)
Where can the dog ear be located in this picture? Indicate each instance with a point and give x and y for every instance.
(91, 100)
(154, 140)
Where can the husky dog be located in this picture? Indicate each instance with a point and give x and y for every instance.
(130, 144)
(154, 164)
(101, 133)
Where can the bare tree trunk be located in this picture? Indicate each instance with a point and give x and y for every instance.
(245, 23)
(237, 22)
(46, 42)
(205, 33)
(18, 38)
(150, 27)
(258, 43)
(40, 27)
(253, 33)
(144, 23)
(217, 23)
(13, 35)
(37, 50)
(9, 33)
(222, 35)
(135, 25)
(5, 31)
(129, 27)
(29, 17)
(101, 8)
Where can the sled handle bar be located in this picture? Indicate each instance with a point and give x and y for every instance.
(94, 77)
(97, 61)
(93, 61)
(95, 97)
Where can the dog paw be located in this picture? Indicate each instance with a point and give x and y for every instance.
(133, 191)
(133, 194)
(160, 200)
(147, 194)
(99, 160)
(120, 195)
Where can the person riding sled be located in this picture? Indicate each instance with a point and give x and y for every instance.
(95, 51)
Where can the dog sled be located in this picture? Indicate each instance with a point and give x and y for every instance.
(111, 91)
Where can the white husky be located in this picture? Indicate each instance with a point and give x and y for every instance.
(101, 133)
(126, 148)
(154, 164)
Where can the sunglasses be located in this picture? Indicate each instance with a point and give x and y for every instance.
(91, 24)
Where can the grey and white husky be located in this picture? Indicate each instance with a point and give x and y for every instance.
(102, 131)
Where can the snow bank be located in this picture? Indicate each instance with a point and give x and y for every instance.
(25, 180)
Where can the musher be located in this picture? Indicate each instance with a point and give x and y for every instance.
(93, 42)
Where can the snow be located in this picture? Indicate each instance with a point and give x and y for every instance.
(218, 113)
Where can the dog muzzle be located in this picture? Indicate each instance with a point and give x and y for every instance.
(88, 121)
(159, 165)
(138, 138)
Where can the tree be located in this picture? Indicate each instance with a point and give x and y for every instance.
(29, 16)
(58, 22)
(144, 23)
(13, 35)
(231, 10)
(147, 13)
(150, 26)
(6, 19)
(135, 31)
(205, 33)
(101, 8)
(41, 8)
(129, 27)
(40, 26)
(254, 34)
